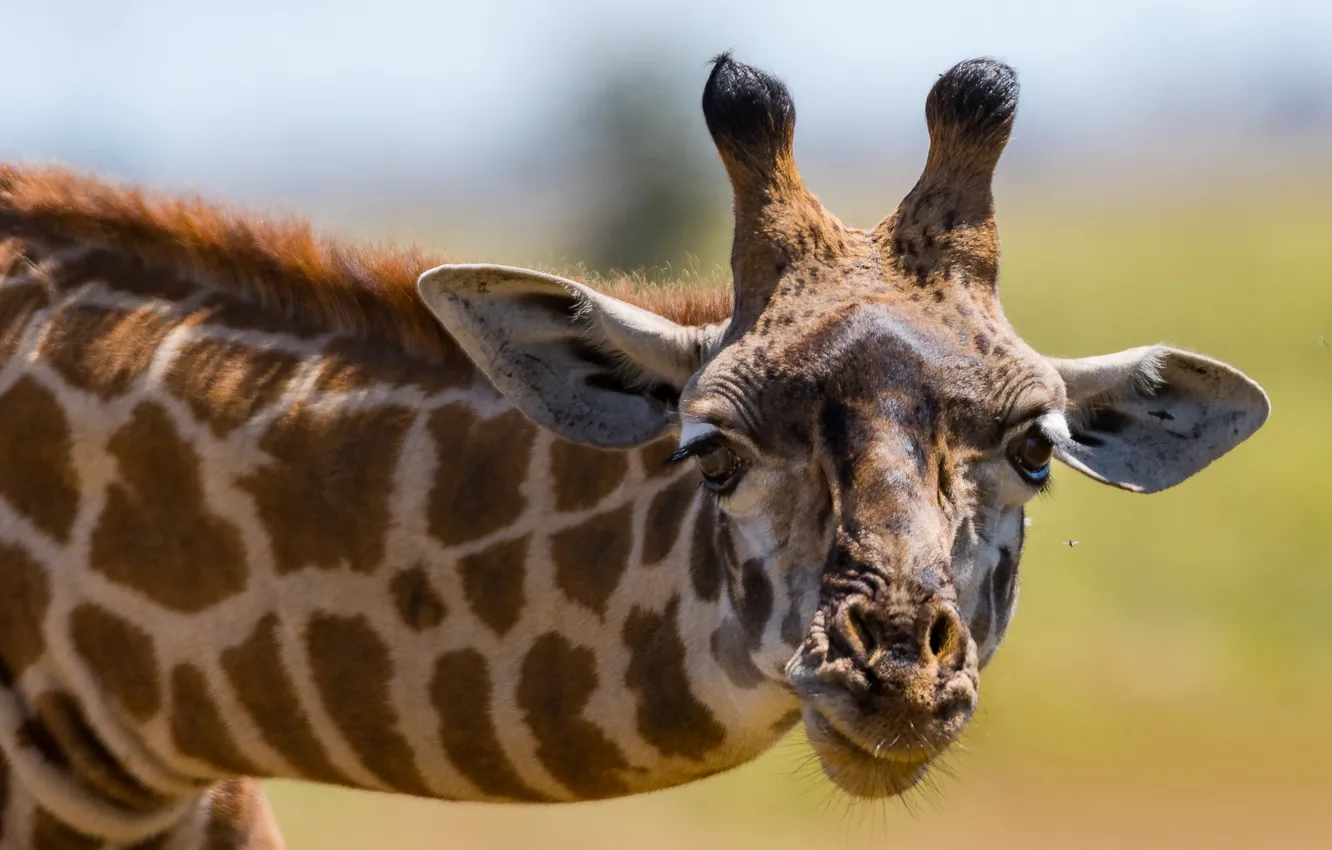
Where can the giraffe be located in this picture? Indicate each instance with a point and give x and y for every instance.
(274, 505)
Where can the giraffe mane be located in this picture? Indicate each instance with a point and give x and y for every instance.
(282, 264)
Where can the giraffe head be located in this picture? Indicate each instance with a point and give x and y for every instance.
(867, 424)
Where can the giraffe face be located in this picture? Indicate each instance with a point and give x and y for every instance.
(877, 464)
(868, 424)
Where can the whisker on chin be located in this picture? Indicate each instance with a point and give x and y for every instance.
(806, 767)
(831, 796)
(931, 793)
(906, 804)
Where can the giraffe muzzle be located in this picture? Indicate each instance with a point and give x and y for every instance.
(886, 690)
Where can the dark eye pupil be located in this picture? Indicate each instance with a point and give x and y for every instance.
(1035, 452)
(717, 464)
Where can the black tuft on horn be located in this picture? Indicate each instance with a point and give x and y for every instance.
(975, 100)
(746, 109)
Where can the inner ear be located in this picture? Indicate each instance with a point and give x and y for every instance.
(624, 377)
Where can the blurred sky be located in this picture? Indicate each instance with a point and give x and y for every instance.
(262, 94)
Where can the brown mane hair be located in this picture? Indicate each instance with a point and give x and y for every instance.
(282, 265)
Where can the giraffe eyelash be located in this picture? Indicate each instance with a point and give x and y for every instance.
(1046, 487)
(693, 448)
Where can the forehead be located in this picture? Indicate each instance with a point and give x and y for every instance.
(929, 358)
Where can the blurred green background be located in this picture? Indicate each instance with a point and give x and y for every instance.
(1167, 682)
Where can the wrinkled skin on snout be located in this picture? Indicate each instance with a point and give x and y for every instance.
(867, 423)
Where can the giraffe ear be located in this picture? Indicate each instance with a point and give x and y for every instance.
(590, 367)
(1148, 418)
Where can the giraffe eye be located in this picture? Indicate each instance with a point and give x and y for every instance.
(718, 465)
(717, 462)
(1030, 455)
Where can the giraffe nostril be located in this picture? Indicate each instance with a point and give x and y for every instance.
(943, 635)
(852, 633)
(858, 633)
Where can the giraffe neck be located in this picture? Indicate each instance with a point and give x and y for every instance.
(235, 546)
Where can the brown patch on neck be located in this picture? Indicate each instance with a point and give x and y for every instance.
(482, 466)
(197, 727)
(557, 681)
(419, 606)
(461, 691)
(324, 496)
(102, 350)
(226, 383)
(156, 535)
(353, 671)
(590, 559)
(351, 364)
(259, 677)
(664, 517)
(670, 717)
(37, 475)
(121, 656)
(492, 581)
(23, 606)
(583, 475)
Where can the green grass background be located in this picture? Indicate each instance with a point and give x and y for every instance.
(1168, 681)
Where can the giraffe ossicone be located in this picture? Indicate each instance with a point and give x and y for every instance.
(272, 506)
